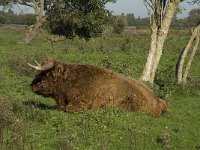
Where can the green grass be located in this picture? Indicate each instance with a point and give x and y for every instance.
(29, 121)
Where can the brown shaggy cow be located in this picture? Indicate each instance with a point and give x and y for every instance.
(81, 87)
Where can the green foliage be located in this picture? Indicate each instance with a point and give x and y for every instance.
(194, 17)
(119, 24)
(127, 45)
(165, 81)
(82, 18)
(29, 121)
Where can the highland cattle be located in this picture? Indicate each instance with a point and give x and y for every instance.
(81, 87)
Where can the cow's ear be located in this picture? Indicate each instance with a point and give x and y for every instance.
(58, 70)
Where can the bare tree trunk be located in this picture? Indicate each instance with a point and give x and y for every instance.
(179, 66)
(32, 31)
(181, 60)
(190, 60)
(159, 28)
(147, 73)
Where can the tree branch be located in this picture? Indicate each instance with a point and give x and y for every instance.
(148, 3)
(41, 7)
(148, 10)
(25, 3)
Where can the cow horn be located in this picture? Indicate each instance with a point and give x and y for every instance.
(42, 68)
(37, 63)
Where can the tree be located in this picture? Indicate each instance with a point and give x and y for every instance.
(77, 17)
(39, 7)
(161, 13)
(193, 42)
(194, 17)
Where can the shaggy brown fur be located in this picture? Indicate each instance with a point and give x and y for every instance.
(81, 87)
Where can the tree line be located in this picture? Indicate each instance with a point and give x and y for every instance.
(9, 17)
(190, 21)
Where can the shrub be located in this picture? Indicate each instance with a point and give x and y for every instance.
(165, 82)
(126, 44)
(119, 24)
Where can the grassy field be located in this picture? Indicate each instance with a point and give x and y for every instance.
(29, 121)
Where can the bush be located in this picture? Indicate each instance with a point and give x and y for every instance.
(119, 24)
(165, 82)
(126, 44)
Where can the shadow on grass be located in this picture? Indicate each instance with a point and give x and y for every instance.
(39, 105)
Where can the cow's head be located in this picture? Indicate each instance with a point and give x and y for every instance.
(43, 81)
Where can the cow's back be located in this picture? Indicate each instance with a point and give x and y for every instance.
(97, 87)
